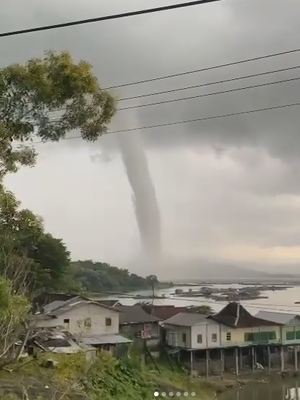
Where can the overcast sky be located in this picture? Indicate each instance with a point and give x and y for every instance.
(227, 188)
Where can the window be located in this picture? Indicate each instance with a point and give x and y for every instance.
(214, 337)
(199, 338)
(228, 336)
(260, 337)
(107, 321)
(290, 336)
(88, 322)
(67, 323)
(249, 337)
(184, 337)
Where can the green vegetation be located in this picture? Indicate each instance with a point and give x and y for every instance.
(100, 277)
(45, 99)
(107, 378)
(204, 309)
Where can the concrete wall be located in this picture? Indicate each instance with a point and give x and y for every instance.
(174, 336)
(211, 335)
(238, 335)
(79, 319)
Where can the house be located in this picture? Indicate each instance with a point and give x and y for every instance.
(192, 331)
(116, 344)
(290, 331)
(92, 323)
(46, 298)
(56, 340)
(79, 317)
(240, 328)
(134, 321)
(163, 312)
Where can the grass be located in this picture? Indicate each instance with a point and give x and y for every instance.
(107, 378)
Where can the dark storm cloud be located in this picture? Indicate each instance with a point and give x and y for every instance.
(238, 206)
(154, 45)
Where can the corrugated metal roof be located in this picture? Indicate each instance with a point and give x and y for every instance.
(104, 339)
(164, 312)
(74, 303)
(134, 315)
(277, 317)
(54, 305)
(187, 319)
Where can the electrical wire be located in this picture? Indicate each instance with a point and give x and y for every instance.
(203, 119)
(209, 83)
(209, 94)
(107, 18)
(217, 66)
(246, 304)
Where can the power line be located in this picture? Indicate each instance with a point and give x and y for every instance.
(206, 118)
(210, 83)
(250, 305)
(218, 66)
(106, 18)
(209, 94)
(188, 121)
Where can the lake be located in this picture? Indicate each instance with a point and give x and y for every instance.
(277, 300)
(279, 390)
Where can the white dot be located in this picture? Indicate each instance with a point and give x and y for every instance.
(178, 394)
(156, 394)
(171, 394)
(163, 394)
(185, 394)
(193, 394)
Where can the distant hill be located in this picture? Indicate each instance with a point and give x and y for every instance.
(217, 270)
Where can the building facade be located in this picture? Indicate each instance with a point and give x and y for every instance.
(192, 331)
(80, 318)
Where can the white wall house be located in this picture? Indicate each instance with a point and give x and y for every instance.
(192, 331)
(81, 317)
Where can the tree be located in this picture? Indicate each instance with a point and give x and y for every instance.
(152, 279)
(47, 98)
(19, 231)
(51, 260)
(13, 311)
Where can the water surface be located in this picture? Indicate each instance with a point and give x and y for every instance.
(280, 390)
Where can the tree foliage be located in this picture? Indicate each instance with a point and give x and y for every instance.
(47, 98)
(44, 98)
(203, 309)
(100, 277)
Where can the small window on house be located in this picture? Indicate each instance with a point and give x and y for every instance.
(249, 337)
(214, 337)
(88, 322)
(67, 323)
(184, 337)
(107, 321)
(199, 338)
(228, 336)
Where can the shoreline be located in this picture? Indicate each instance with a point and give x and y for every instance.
(231, 382)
